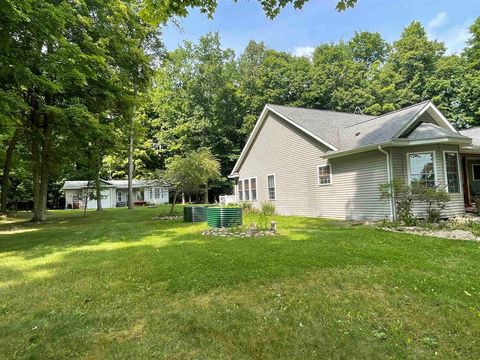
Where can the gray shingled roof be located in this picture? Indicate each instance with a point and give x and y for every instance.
(347, 131)
(473, 133)
(431, 131)
(323, 123)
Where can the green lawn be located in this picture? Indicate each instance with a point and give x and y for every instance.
(119, 285)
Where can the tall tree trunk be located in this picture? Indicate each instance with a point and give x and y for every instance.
(98, 195)
(40, 165)
(130, 155)
(6, 170)
(173, 203)
(206, 194)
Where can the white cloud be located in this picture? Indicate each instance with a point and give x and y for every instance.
(303, 51)
(437, 21)
(456, 37)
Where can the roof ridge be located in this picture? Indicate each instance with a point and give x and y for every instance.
(389, 113)
(322, 110)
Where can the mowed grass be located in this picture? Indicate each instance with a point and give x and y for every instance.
(120, 285)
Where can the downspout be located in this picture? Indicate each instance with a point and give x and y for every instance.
(389, 179)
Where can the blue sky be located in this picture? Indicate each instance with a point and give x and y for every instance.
(298, 31)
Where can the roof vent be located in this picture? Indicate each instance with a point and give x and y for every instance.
(358, 133)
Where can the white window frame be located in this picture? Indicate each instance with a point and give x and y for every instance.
(318, 175)
(458, 168)
(274, 187)
(240, 192)
(434, 164)
(156, 191)
(150, 193)
(473, 172)
(256, 188)
(246, 191)
(121, 196)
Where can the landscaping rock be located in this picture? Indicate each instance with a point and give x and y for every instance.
(235, 232)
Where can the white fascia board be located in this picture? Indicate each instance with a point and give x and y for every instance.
(407, 125)
(435, 113)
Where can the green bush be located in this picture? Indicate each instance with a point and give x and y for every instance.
(247, 208)
(267, 208)
(405, 196)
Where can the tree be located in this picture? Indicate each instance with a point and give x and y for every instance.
(414, 58)
(470, 92)
(73, 72)
(160, 11)
(190, 173)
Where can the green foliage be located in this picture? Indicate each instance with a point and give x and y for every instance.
(160, 11)
(405, 196)
(267, 208)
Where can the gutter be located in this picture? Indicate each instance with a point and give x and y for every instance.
(397, 143)
(389, 179)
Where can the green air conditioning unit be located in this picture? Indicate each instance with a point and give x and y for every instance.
(218, 217)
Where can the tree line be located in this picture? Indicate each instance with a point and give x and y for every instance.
(82, 81)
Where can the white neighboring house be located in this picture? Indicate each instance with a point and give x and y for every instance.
(115, 193)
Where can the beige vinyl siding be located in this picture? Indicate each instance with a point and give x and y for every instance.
(354, 191)
(400, 171)
(293, 157)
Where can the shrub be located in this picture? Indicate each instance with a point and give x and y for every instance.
(405, 196)
(247, 208)
(267, 208)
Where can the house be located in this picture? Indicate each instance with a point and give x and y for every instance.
(114, 193)
(330, 164)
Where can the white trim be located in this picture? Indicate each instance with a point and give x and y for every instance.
(473, 173)
(434, 164)
(274, 187)
(256, 129)
(245, 190)
(240, 191)
(437, 116)
(458, 169)
(330, 175)
(389, 180)
(442, 117)
(256, 188)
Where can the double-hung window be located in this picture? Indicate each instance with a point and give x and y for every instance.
(246, 189)
(253, 189)
(452, 171)
(422, 168)
(119, 196)
(150, 193)
(240, 190)
(157, 193)
(272, 195)
(324, 175)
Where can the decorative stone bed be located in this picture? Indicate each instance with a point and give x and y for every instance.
(236, 232)
(448, 234)
(456, 228)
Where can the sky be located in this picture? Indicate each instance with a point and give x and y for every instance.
(299, 31)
